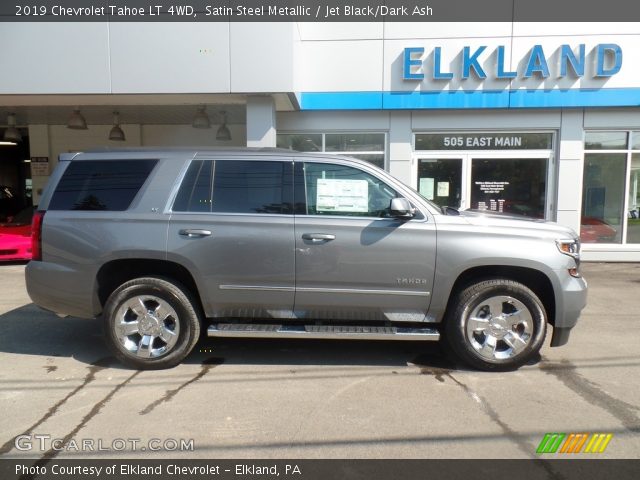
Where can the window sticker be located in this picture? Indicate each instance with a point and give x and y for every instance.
(426, 188)
(443, 189)
(342, 195)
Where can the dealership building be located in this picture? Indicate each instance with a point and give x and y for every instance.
(536, 119)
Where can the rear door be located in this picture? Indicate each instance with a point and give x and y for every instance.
(232, 223)
(354, 261)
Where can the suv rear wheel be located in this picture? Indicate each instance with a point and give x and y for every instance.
(151, 323)
(496, 325)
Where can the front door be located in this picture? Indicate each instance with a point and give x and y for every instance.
(354, 261)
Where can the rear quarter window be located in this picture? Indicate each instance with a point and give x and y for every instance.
(100, 184)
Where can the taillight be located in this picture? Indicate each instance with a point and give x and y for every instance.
(36, 235)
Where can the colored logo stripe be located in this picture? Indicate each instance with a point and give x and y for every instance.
(598, 443)
(550, 443)
(574, 442)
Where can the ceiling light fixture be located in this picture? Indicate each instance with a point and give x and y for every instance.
(12, 134)
(223, 132)
(77, 121)
(116, 134)
(201, 119)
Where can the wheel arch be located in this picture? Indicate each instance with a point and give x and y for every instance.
(534, 279)
(116, 272)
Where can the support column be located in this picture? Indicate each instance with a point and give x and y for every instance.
(261, 122)
(400, 146)
(570, 169)
(39, 147)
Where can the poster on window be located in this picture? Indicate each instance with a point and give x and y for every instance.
(342, 195)
(443, 189)
(426, 188)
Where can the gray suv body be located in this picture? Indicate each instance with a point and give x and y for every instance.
(164, 243)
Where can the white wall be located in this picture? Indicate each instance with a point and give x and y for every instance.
(187, 136)
(219, 57)
(347, 57)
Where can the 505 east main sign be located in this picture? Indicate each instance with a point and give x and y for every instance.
(605, 60)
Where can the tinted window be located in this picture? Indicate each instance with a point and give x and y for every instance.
(100, 185)
(252, 187)
(333, 189)
(236, 187)
(195, 192)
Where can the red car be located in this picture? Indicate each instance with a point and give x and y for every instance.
(596, 230)
(15, 236)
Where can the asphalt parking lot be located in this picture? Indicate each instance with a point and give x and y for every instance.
(312, 399)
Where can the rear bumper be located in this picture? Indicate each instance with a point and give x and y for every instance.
(60, 290)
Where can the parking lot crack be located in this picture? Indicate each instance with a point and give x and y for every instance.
(169, 394)
(523, 445)
(567, 373)
(94, 368)
(52, 453)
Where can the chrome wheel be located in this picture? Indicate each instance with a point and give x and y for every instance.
(146, 326)
(499, 327)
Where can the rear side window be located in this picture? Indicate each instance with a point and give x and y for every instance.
(100, 185)
(230, 186)
(195, 192)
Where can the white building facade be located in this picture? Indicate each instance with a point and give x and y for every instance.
(537, 119)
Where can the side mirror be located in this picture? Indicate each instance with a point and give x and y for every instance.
(401, 208)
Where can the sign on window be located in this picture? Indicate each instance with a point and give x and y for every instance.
(342, 195)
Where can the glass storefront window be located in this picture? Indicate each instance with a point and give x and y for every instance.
(633, 218)
(605, 141)
(300, 142)
(354, 142)
(603, 197)
(368, 146)
(635, 140)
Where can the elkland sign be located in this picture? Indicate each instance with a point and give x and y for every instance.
(605, 58)
(497, 76)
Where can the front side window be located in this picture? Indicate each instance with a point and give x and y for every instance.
(109, 185)
(333, 189)
(230, 186)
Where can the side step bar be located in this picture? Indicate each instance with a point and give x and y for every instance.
(350, 332)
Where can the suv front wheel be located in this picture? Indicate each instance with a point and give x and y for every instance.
(151, 323)
(496, 325)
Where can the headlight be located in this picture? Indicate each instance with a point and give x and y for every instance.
(569, 247)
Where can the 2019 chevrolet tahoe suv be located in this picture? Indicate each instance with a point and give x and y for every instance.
(271, 243)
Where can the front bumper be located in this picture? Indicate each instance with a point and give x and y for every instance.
(571, 298)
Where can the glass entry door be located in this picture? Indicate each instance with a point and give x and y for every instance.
(440, 179)
(514, 186)
(512, 183)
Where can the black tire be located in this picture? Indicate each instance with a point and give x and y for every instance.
(176, 317)
(473, 326)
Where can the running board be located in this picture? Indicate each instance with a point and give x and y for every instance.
(347, 332)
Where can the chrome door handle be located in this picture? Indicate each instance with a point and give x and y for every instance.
(194, 233)
(318, 237)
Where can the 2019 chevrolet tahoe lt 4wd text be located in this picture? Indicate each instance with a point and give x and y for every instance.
(274, 243)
